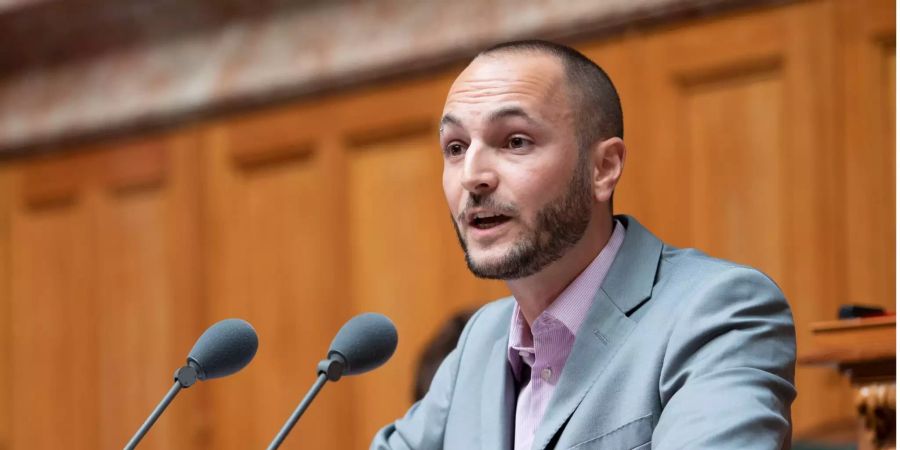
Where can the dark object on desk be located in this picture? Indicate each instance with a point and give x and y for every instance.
(857, 311)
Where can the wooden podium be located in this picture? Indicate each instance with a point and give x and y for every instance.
(865, 351)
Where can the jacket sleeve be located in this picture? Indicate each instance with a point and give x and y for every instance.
(727, 380)
(423, 425)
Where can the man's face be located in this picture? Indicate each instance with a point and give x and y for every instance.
(518, 193)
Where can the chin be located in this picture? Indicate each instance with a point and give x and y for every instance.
(488, 257)
(484, 264)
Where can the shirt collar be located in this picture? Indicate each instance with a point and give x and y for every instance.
(571, 306)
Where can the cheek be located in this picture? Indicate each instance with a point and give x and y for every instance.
(537, 186)
(452, 190)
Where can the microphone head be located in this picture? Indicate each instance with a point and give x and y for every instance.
(223, 349)
(364, 343)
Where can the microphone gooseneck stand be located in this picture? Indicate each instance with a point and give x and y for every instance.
(185, 377)
(329, 370)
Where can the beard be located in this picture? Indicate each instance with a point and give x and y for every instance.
(558, 226)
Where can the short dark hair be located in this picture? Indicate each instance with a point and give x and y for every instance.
(598, 112)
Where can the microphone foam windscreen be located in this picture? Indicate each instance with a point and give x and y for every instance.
(365, 342)
(224, 348)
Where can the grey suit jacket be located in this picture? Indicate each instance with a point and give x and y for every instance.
(678, 351)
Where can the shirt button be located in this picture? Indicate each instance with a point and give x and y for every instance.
(546, 374)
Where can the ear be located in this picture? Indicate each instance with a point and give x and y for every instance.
(608, 162)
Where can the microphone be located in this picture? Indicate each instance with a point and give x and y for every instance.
(364, 343)
(223, 349)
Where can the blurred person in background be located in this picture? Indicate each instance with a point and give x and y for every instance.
(611, 339)
(436, 350)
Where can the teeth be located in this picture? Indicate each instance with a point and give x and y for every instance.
(485, 215)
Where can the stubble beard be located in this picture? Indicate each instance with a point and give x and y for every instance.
(558, 226)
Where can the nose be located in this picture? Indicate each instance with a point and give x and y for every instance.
(479, 175)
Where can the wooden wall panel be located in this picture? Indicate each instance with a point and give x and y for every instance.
(739, 143)
(734, 129)
(618, 59)
(147, 286)
(272, 253)
(761, 136)
(101, 313)
(6, 175)
(867, 113)
(53, 313)
(402, 247)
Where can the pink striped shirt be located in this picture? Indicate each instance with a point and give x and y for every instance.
(538, 354)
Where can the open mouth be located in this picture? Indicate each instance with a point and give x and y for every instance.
(487, 221)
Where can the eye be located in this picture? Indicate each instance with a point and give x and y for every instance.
(518, 142)
(454, 148)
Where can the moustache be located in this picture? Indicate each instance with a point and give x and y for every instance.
(491, 203)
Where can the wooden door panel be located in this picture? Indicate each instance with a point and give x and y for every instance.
(739, 142)
(271, 251)
(734, 131)
(53, 357)
(761, 136)
(637, 189)
(868, 65)
(6, 208)
(100, 310)
(146, 286)
(405, 262)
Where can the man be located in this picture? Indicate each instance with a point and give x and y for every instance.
(612, 339)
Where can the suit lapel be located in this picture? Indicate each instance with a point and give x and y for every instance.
(627, 285)
(498, 399)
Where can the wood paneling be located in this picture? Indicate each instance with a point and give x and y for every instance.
(6, 175)
(102, 305)
(867, 114)
(740, 144)
(402, 247)
(54, 355)
(734, 128)
(764, 136)
(146, 267)
(272, 254)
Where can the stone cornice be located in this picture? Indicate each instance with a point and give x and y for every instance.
(80, 69)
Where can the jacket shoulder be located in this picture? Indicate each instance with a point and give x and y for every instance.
(691, 264)
(491, 321)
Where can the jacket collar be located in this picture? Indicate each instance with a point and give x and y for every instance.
(628, 284)
(498, 408)
(633, 273)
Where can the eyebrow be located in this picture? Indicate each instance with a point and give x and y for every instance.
(502, 113)
(510, 111)
(449, 119)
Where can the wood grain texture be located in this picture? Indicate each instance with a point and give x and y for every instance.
(54, 357)
(867, 113)
(271, 261)
(402, 248)
(95, 294)
(853, 341)
(765, 137)
(6, 200)
(739, 148)
(147, 267)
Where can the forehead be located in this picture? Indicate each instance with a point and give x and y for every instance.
(529, 80)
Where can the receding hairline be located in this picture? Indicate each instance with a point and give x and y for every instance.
(588, 86)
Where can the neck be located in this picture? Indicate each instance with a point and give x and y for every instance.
(536, 293)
